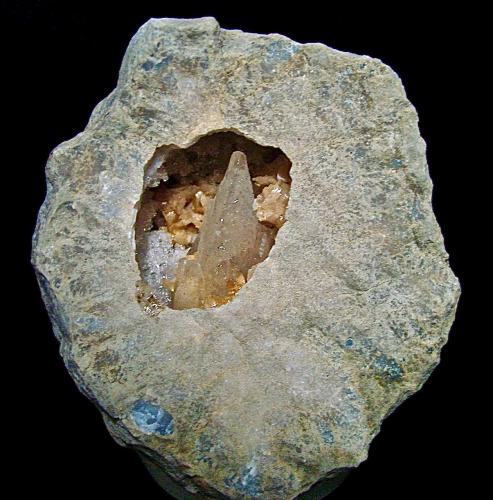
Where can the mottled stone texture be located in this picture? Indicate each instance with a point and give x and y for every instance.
(290, 381)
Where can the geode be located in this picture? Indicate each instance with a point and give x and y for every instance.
(248, 350)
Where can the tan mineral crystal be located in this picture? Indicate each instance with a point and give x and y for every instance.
(183, 209)
(231, 241)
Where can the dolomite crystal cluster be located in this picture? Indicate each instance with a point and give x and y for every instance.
(263, 369)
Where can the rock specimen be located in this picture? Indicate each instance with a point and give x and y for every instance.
(306, 338)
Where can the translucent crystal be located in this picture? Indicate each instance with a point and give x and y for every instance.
(188, 287)
(231, 241)
(158, 262)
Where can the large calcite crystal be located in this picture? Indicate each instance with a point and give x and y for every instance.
(250, 348)
(229, 245)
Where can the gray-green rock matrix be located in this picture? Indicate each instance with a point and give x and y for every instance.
(289, 382)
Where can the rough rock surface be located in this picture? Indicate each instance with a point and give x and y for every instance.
(289, 382)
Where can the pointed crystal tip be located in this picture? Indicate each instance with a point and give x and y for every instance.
(228, 243)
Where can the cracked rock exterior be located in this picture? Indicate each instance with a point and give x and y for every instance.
(288, 383)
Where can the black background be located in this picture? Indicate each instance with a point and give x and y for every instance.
(62, 59)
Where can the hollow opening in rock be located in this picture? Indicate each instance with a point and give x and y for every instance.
(208, 215)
